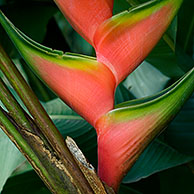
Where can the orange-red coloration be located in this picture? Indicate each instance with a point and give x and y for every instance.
(90, 93)
(123, 47)
(120, 144)
(85, 16)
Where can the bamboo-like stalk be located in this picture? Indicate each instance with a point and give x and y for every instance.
(74, 176)
(8, 127)
(13, 106)
(44, 161)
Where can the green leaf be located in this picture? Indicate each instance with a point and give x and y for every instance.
(66, 120)
(10, 158)
(23, 168)
(164, 59)
(180, 133)
(156, 157)
(185, 61)
(145, 80)
(171, 34)
(122, 94)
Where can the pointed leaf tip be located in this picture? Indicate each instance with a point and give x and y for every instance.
(86, 15)
(123, 41)
(124, 133)
(84, 84)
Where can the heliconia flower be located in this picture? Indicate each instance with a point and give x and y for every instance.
(87, 85)
(123, 41)
(86, 15)
(124, 132)
(84, 84)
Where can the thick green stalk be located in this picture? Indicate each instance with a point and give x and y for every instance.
(13, 107)
(24, 121)
(11, 131)
(44, 161)
(44, 123)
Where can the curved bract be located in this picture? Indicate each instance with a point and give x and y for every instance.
(85, 16)
(124, 132)
(84, 84)
(123, 41)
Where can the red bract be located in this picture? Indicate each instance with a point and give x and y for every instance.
(123, 41)
(121, 142)
(86, 15)
(124, 132)
(76, 80)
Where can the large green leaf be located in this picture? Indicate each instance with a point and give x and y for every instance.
(145, 80)
(10, 158)
(164, 59)
(180, 133)
(156, 157)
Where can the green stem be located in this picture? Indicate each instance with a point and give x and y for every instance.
(11, 131)
(44, 161)
(43, 122)
(13, 107)
(24, 121)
